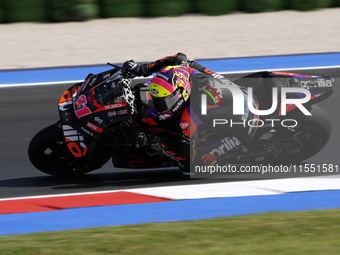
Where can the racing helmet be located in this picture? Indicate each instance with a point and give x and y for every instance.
(170, 89)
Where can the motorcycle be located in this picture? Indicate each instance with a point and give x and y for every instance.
(102, 117)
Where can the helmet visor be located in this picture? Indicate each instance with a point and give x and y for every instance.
(163, 104)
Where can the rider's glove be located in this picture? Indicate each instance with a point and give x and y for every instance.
(181, 59)
(130, 68)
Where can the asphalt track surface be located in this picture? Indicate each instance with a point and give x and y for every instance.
(26, 110)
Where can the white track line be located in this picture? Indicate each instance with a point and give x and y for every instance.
(225, 189)
(39, 84)
(223, 73)
(246, 188)
(282, 69)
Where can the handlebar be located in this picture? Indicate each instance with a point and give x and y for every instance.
(125, 73)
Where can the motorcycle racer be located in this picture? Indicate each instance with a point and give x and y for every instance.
(176, 119)
(176, 81)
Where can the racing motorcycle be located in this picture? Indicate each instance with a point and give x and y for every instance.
(101, 119)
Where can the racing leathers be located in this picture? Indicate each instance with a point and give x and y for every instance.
(199, 142)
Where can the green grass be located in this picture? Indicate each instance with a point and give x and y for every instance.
(310, 232)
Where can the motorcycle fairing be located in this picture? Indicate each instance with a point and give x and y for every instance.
(68, 94)
(320, 87)
(74, 141)
(263, 82)
(88, 108)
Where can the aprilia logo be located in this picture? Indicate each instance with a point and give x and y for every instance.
(322, 83)
(228, 143)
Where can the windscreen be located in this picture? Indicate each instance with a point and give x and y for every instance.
(109, 92)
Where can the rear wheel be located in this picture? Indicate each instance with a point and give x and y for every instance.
(313, 132)
(48, 153)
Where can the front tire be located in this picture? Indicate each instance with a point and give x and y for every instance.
(48, 153)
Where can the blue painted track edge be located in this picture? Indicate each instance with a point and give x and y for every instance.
(73, 74)
(182, 210)
(198, 60)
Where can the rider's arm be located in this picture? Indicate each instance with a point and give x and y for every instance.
(193, 64)
(153, 67)
(178, 59)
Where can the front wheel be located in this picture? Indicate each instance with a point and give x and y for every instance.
(48, 153)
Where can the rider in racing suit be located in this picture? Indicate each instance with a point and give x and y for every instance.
(197, 137)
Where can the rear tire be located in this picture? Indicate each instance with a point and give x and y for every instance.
(315, 131)
(48, 153)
